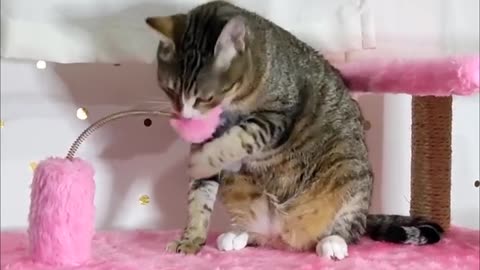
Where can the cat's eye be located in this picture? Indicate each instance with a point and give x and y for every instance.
(228, 88)
(205, 100)
(169, 91)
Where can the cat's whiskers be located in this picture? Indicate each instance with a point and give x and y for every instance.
(157, 101)
(154, 104)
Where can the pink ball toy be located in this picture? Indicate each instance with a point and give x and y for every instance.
(199, 129)
(62, 212)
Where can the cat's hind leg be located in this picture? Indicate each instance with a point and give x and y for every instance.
(309, 216)
(248, 210)
(348, 226)
(326, 219)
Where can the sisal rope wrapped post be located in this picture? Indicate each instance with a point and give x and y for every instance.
(431, 158)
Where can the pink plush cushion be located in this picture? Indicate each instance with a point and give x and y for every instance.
(437, 77)
(144, 250)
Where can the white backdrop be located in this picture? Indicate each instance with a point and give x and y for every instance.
(114, 30)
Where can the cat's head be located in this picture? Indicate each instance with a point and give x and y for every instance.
(201, 58)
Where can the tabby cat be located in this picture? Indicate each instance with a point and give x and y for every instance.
(304, 180)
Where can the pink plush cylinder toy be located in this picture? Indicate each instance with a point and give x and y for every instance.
(62, 212)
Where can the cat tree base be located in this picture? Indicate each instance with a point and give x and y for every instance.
(145, 250)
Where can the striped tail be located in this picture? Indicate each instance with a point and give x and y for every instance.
(403, 229)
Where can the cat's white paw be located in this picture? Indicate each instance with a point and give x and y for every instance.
(233, 167)
(333, 247)
(232, 241)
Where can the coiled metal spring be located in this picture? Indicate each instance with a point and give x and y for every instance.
(109, 118)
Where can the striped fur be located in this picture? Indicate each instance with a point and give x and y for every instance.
(305, 179)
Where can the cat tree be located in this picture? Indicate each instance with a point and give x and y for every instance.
(432, 83)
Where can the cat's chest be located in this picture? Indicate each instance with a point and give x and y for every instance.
(228, 119)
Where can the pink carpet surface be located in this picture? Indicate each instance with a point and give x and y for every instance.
(144, 250)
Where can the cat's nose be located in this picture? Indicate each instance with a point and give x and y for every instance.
(188, 112)
(186, 116)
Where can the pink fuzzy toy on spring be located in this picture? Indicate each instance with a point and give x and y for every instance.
(62, 212)
(197, 130)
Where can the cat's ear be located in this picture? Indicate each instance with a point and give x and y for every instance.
(230, 42)
(171, 29)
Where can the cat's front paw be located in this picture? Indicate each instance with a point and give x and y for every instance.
(185, 246)
(204, 163)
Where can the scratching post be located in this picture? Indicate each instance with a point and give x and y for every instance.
(431, 158)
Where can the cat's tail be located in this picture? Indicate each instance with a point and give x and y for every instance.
(403, 229)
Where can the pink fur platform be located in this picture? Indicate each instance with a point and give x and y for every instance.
(144, 250)
(434, 77)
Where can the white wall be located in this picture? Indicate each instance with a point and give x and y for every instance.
(38, 109)
(100, 31)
